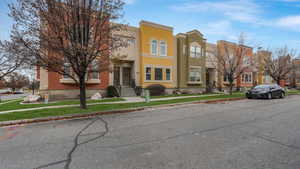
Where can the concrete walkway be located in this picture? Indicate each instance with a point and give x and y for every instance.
(127, 100)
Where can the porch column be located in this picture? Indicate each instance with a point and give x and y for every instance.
(121, 75)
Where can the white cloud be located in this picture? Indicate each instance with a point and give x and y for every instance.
(239, 10)
(290, 22)
(222, 28)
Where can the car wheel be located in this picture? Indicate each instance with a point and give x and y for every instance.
(282, 95)
(269, 95)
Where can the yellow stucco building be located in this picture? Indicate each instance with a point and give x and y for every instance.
(157, 55)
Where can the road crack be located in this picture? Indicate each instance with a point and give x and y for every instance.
(77, 144)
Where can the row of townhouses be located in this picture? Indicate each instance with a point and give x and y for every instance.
(156, 56)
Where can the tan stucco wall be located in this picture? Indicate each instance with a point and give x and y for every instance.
(129, 53)
(43, 79)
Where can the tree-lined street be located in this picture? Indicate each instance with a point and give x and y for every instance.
(242, 134)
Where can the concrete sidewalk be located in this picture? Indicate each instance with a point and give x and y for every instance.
(127, 100)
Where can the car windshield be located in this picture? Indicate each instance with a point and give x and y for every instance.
(262, 87)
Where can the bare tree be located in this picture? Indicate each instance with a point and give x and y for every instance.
(229, 60)
(11, 58)
(69, 36)
(280, 65)
(16, 81)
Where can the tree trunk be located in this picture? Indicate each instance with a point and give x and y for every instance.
(278, 81)
(230, 87)
(32, 89)
(82, 87)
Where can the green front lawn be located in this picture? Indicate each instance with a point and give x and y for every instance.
(104, 107)
(178, 95)
(15, 105)
(291, 92)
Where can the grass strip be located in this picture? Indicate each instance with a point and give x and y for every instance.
(103, 107)
(15, 105)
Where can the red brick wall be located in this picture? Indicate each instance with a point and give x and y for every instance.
(55, 84)
(1, 84)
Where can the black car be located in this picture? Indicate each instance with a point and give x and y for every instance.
(266, 92)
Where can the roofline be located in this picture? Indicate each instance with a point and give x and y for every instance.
(143, 22)
(234, 43)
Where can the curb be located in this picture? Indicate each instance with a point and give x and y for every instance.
(79, 116)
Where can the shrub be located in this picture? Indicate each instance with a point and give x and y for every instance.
(112, 91)
(138, 90)
(156, 90)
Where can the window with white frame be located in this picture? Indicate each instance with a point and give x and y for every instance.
(195, 52)
(158, 74)
(168, 74)
(67, 70)
(247, 78)
(94, 70)
(195, 75)
(154, 46)
(246, 61)
(131, 41)
(163, 48)
(148, 73)
(226, 77)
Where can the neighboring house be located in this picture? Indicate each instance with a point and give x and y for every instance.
(295, 77)
(157, 55)
(260, 60)
(211, 66)
(59, 86)
(246, 79)
(125, 62)
(191, 70)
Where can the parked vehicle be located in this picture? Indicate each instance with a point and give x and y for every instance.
(266, 92)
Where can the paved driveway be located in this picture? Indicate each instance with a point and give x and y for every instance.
(248, 134)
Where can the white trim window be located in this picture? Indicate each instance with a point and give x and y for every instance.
(148, 73)
(168, 74)
(154, 47)
(195, 52)
(247, 78)
(246, 61)
(158, 73)
(226, 78)
(67, 70)
(94, 70)
(195, 75)
(163, 48)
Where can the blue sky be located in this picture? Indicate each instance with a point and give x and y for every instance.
(266, 23)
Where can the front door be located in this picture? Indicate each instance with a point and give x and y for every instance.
(117, 76)
(126, 76)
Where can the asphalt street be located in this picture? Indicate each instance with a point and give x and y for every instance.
(247, 134)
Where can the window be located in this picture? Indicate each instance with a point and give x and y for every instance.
(67, 70)
(247, 78)
(195, 52)
(163, 48)
(95, 70)
(148, 73)
(154, 47)
(226, 78)
(246, 61)
(158, 74)
(195, 75)
(168, 74)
